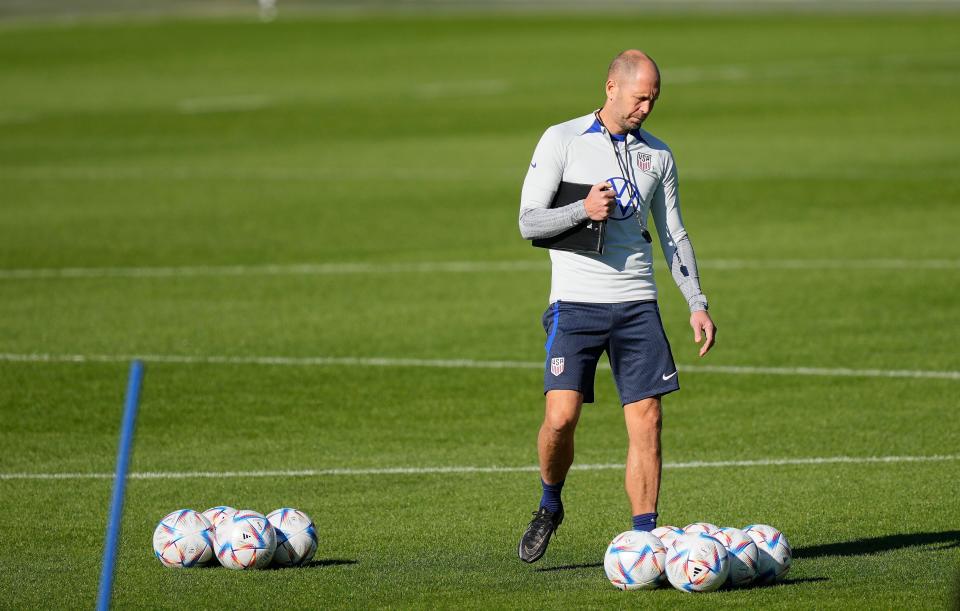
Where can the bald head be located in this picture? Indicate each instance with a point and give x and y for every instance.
(632, 88)
(630, 64)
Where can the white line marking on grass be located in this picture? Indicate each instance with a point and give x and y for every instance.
(286, 174)
(826, 264)
(349, 361)
(298, 269)
(842, 372)
(325, 269)
(412, 173)
(232, 103)
(720, 464)
(273, 360)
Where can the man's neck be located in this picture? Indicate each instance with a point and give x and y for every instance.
(612, 126)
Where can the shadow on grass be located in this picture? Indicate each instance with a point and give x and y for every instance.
(858, 547)
(570, 567)
(596, 565)
(329, 562)
(784, 582)
(314, 564)
(875, 545)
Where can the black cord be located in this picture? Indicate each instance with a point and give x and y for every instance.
(627, 175)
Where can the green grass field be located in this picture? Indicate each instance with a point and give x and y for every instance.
(819, 175)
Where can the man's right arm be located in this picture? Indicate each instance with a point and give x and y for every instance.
(547, 222)
(537, 218)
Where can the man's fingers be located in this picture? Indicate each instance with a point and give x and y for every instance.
(711, 332)
(703, 330)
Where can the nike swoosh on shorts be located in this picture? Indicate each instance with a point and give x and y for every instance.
(667, 377)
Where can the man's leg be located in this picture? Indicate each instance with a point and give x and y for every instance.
(555, 449)
(577, 335)
(642, 481)
(555, 441)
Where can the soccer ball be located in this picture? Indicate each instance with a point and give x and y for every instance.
(245, 540)
(742, 552)
(183, 539)
(667, 534)
(700, 528)
(775, 554)
(296, 537)
(697, 563)
(218, 514)
(635, 561)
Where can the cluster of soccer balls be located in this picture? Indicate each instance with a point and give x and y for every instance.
(236, 538)
(700, 557)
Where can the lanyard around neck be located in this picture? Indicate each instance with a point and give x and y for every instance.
(624, 164)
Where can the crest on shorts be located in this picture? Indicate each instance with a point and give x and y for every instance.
(556, 366)
(644, 161)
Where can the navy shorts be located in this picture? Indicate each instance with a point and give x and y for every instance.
(631, 334)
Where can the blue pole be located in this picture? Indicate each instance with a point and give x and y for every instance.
(119, 485)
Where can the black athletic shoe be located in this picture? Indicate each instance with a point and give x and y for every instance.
(534, 542)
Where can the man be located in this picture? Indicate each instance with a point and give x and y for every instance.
(607, 302)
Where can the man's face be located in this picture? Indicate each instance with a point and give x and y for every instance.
(633, 98)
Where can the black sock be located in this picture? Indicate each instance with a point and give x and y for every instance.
(551, 496)
(645, 521)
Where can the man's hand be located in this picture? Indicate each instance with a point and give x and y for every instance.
(703, 328)
(599, 201)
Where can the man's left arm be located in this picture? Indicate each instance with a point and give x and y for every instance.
(678, 252)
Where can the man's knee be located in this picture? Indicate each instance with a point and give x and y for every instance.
(562, 411)
(560, 423)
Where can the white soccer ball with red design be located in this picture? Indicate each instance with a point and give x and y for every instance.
(634, 561)
(218, 514)
(183, 539)
(697, 563)
(667, 534)
(742, 552)
(296, 537)
(774, 553)
(700, 528)
(245, 540)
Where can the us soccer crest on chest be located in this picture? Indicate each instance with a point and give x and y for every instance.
(644, 162)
